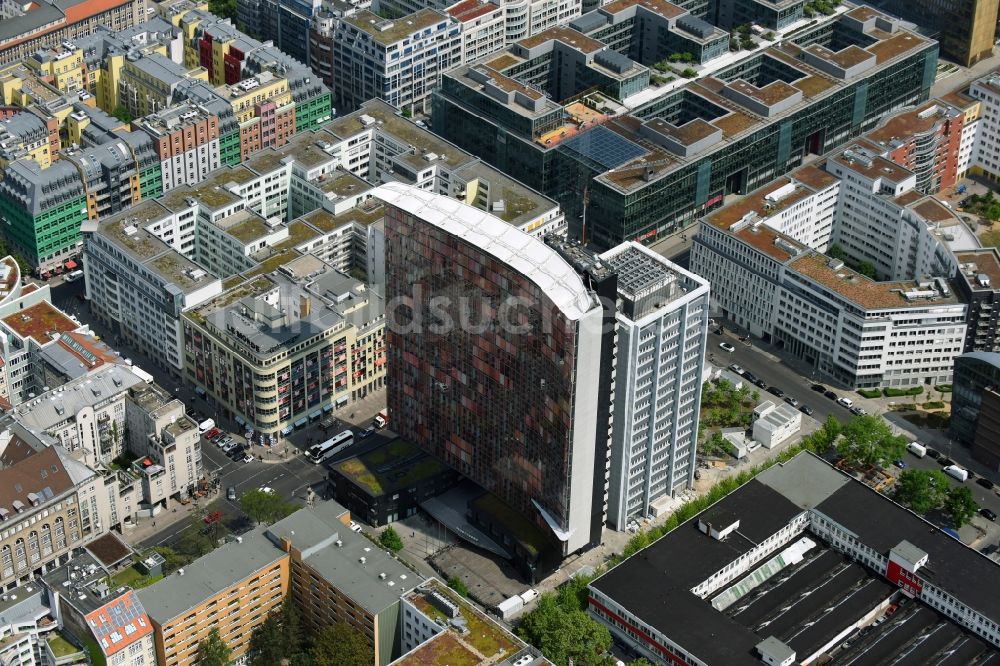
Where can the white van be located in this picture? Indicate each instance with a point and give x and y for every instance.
(956, 472)
(846, 402)
(917, 449)
(74, 276)
(206, 425)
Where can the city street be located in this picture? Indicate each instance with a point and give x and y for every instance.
(777, 372)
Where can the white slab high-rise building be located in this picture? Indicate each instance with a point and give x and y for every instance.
(662, 326)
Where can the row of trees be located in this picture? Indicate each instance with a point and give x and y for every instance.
(925, 490)
(281, 638)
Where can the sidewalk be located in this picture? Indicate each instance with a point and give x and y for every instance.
(148, 527)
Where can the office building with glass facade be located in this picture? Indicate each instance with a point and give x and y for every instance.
(500, 362)
(646, 161)
(975, 406)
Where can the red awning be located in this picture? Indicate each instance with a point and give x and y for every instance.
(70, 265)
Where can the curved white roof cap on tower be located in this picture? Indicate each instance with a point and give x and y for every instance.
(522, 252)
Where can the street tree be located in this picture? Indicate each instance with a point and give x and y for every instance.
(341, 645)
(565, 635)
(868, 440)
(279, 637)
(390, 540)
(960, 506)
(922, 490)
(264, 507)
(213, 651)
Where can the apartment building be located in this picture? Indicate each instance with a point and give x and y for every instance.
(280, 349)
(926, 140)
(86, 416)
(25, 135)
(536, 438)
(167, 442)
(43, 211)
(138, 285)
(111, 622)
(40, 521)
(521, 18)
(378, 145)
(187, 143)
(861, 332)
(650, 159)
(232, 589)
(338, 576)
(397, 60)
(48, 23)
(662, 323)
(26, 627)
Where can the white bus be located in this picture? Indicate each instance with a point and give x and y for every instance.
(317, 453)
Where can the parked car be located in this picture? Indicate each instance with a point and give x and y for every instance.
(819, 388)
(228, 445)
(231, 493)
(367, 432)
(988, 514)
(985, 483)
(831, 395)
(266, 489)
(932, 453)
(247, 458)
(355, 527)
(806, 409)
(738, 369)
(217, 437)
(760, 383)
(725, 346)
(213, 517)
(211, 434)
(236, 452)
(900, 464)
(791, 401)
(945, 461)
(857, 411)
(750, 377)
(845, 402)
(774, 390)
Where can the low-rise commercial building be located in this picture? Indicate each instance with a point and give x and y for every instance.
(232, 589)
(739, 574)
(774, 424)
(379, 492)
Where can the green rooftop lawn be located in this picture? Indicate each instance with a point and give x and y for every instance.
(364, 470)
(62, 647)
(445, 650)
(132, 577)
